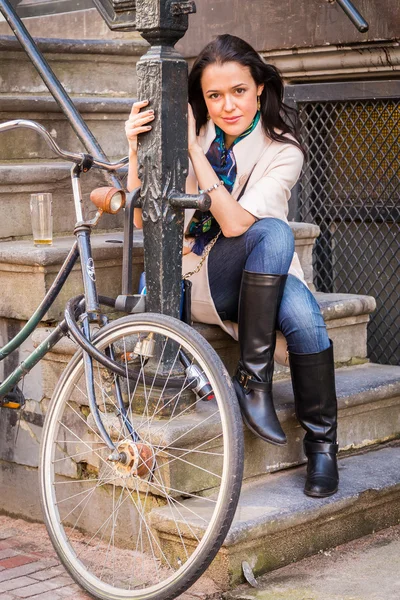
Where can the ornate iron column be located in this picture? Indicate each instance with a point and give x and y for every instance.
(162, 154)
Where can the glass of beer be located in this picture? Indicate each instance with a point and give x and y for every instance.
(42, 218)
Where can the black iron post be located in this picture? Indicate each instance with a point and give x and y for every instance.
(162, 153)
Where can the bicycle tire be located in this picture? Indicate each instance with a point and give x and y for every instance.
(219, 500)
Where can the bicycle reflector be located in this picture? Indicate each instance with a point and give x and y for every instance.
(108, 199)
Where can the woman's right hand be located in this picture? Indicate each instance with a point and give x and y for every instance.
(138, 123)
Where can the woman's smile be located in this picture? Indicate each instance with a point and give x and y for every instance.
(231, 119)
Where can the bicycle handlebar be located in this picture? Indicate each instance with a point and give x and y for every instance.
(72, 156)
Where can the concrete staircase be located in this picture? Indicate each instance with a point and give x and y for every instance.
(275, 523)
(101, 79)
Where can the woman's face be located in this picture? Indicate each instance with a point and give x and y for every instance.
(230, 94)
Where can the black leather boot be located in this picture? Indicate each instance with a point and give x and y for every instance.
(260, 296)
(313, 379)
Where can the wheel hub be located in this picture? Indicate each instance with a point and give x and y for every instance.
(137, 460)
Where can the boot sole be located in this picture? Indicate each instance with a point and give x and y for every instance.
(253, 431)
(316, 495)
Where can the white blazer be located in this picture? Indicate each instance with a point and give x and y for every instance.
(277, 168)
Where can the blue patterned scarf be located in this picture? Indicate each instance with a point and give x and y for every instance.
(203, 226)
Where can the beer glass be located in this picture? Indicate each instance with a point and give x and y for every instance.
(42, 218)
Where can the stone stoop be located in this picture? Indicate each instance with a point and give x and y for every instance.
(18, 180)
(26, 273)
(100, 76)
(23, 266)
(105, 117)
(276, 524)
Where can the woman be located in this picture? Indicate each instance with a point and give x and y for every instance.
(244, 153)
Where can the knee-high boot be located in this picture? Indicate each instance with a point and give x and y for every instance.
(260, 296)
(313, 379)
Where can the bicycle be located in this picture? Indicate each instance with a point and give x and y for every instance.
(141, 457)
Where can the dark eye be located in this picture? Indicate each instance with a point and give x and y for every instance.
(212, 96)
(240, 90)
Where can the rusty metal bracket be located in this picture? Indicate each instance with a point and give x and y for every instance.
(183, 7)
(201, 202)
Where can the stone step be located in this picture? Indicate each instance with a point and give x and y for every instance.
(84, 67)
(350, 326)
(77, 25)
(346, 317)
(368, 414)
(276, 524)
(20, 179)
(25, 267)
(105, 117)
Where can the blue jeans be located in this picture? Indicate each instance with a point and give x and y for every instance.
(267, 247)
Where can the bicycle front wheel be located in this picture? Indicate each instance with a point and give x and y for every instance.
(148, 525)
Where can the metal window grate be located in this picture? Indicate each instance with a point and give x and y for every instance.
(350, 187)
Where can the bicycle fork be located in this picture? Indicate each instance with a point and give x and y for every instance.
(93, 314)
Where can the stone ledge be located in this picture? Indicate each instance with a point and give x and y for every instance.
(40, 265)
(303, 231)
(339, 306)
(33, 103)
(24, 267)
(78, 46)
(275, 523)
(337, 62)
(18, 181)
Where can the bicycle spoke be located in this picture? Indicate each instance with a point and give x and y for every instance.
(171, 499)
(141, 519)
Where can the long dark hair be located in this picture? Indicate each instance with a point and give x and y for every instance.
(275, 114)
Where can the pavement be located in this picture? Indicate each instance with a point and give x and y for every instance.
(365, 569)
(30, 568)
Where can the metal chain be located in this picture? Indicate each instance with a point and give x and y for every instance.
(208, 248)
(206, 252)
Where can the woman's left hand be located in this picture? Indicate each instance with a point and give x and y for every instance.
(192, 137)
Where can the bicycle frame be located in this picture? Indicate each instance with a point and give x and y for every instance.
(86, 308)
(33, 322)
(80, 249)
